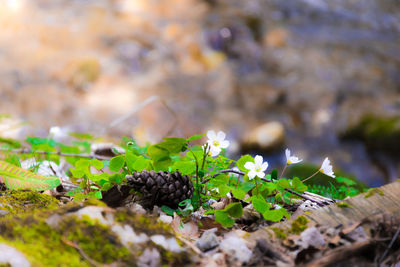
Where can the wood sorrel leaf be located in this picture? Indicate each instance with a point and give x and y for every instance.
(234, 210)
(116, 163)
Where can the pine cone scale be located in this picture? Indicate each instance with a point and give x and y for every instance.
(161, 188)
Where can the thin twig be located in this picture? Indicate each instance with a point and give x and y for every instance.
(390, 245)
(29, 151)
(270, 181)
(84, 255)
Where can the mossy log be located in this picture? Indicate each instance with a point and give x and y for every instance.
(375, 211)
(48, 233)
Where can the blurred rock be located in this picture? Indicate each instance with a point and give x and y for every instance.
(10, 256)
(208, 240)
(236, 248)
(266, 137)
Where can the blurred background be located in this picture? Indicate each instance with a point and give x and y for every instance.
(319, 77)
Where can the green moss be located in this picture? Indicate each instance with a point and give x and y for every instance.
(344, 205)
(74, 241)
(22, 201)
(279, 232)
(378, 133)
(299, 225)
(95, 239)
(45, 246)
(372, 192)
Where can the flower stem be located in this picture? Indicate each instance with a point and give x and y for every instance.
(283, 171)
(255, 180)
(310, 176)
(198, 184)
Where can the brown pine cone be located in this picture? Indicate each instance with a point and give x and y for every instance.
(161, 188)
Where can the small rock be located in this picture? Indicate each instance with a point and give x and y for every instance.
(4, 212)
(250, 213)
(311, 237)
(136, 208)
(127, 235)
(11, 256)
(54, 220)
(168, 244)
(236, 248)
(149, 258)
(265, 137)
(358, 234)
(165, 219)
(309, 205)
(208, 240)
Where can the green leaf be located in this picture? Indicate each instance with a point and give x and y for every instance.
(174, 145)
(260, 205)
(234, 210)
(13, 159)
(247, 186)
(130, 159)
(82, 164)
(168, 210)
(11, 142)
(140, 164)
(102, 176)
(98, 195)
(18, 178)
(195, 137)
(346, 181)
(35, 141)
(223, 190)
(158, 153)
(81, 136)
(283, 183)
(275, 215)
(185, 167)
(222, 217)
(96, 163)
(77, 173)
(220, 179)
(238, 193)
(116, 163)
(242, 161)
(298, 186)
(274, 174)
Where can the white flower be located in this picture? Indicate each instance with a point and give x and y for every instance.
(257, 168)
(216, 142)
(326, 168)
(291, 159)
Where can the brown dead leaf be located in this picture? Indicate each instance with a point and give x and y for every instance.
(188, 230)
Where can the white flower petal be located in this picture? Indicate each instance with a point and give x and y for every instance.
(211, 135)
(221, 136)
(214, 151)
(264, 166)
(260, 174)
(287, 152)
(258, 160)
(326, 168)
(251, 174)
(325, 163)
(249, 165)
(224, 144)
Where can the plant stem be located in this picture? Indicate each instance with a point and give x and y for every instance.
(198, 185)
(310, 176)
(29, 151)
(255, 180)
(283, 171)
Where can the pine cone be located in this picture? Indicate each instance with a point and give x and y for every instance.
(161, 188)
